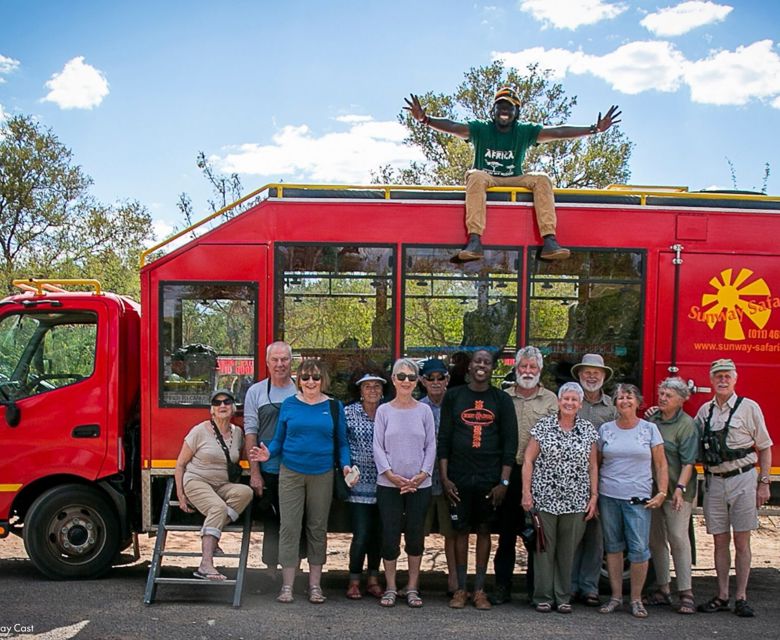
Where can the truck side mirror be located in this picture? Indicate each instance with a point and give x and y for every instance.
(12, 414)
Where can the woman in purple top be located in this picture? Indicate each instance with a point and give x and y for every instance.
(404, 452)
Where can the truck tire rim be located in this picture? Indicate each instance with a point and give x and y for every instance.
(75, 531)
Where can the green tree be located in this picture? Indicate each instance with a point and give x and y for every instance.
(595, 161)
(50, 226)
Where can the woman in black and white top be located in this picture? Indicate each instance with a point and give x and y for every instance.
(560, 480)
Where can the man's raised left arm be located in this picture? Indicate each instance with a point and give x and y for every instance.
(567, 131)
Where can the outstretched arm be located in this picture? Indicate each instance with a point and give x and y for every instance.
(440, 124)
(565, 132)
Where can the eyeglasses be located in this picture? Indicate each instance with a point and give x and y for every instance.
(403, 377)
(435, 378)
(226, 401)
(310, 376)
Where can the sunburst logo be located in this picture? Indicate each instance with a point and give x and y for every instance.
(737, 302)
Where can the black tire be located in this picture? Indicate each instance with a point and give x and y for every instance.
(71, 532)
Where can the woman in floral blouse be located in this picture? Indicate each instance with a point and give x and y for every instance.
(560, 480)
(366, 526)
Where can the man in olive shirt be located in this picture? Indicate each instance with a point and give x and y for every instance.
(532, 402)
(597, 408)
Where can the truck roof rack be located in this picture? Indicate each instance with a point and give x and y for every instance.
(42, 286)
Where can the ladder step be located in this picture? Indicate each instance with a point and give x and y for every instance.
(194, 581)
(190, 527)
(196, 554)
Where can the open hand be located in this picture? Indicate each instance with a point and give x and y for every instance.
(415, 108)
(612, 117)
(259, 453)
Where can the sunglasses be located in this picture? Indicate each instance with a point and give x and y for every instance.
(310, 376)
(403, 377)
(435, 378)
(226, 401)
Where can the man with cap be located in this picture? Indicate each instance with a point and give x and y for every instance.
(261, 410)
(500, 145)
(434, 378)
(597, 408)
(532, 402)
(734, 438)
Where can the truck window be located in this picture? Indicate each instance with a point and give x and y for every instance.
(453, 309)
(335, 302)
(590, 303)
(207, 341)
(40, 352)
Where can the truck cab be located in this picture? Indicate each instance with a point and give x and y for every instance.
(68, 402)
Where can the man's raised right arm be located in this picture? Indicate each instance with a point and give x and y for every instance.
(444, 125)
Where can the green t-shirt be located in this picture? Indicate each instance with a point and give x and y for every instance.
(501, 153)
(681, 445)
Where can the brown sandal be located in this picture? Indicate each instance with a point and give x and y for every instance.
(687, 605)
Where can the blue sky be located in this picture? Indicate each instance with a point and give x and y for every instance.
(309, 91)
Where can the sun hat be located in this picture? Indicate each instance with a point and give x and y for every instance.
(592, 360)
(369, 377)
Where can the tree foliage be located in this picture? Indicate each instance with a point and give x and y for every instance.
(50, 226)
(595, 161)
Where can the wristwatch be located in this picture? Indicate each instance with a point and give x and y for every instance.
(505, 483)
(764, 480)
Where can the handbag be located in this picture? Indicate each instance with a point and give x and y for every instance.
(340, 488)
(233, 468)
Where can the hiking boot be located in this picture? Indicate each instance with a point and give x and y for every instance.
(472, 250)
(480, 600)
(500, 596)
(459, 599)
(551, 250)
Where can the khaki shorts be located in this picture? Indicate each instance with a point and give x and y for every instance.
(730, 503)
(439, 510)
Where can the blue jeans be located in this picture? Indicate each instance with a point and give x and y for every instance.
(625, 525)
(366, 539)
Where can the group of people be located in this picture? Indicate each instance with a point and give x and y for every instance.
(578, 475)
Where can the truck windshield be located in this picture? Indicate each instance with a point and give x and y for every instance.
(40, 352)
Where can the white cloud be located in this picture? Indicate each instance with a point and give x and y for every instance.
(346, 156)
(7, 65)
(161, 230)
(675, 21)
(78, 86)
(3, 114)
(736, 77)
(570, 14)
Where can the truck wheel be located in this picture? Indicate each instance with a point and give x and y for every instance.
(71, 532)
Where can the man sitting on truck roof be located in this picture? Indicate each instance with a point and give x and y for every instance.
(500, 146)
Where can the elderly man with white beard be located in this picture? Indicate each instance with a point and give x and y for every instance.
(597, 408)
(532, 402)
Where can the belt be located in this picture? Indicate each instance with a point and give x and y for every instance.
(731, 474)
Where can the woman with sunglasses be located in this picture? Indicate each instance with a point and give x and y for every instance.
(404, 452)
(202, 477)
(306, 436)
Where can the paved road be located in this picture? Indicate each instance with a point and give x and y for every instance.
(114, 611)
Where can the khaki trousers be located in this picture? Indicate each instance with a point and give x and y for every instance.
(552, 568)
(301, 493)
(219, 504)
(477, 182)
(669, 529)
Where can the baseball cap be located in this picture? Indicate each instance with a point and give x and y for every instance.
(508, 94)
(724, 364)
(433, 365)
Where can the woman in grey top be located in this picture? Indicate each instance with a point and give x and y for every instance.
(404, 452)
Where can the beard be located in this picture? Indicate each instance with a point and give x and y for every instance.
(592, 387)
(528, 382)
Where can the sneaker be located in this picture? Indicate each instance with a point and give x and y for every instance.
(459, 599)
(472, 250)
(500, 596)
(551, 250)
(480, 600)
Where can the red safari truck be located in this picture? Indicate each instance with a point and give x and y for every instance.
(96, 397)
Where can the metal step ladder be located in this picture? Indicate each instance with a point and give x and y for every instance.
(164, 526)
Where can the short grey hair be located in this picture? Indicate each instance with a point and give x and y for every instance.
(571, 386)
(407, 363)
(677, 385)
(278, 343)
(629, 389)
(529, 353)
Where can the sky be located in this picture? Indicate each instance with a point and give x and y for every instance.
(310, 91)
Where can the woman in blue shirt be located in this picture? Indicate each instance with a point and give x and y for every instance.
(305, 436)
